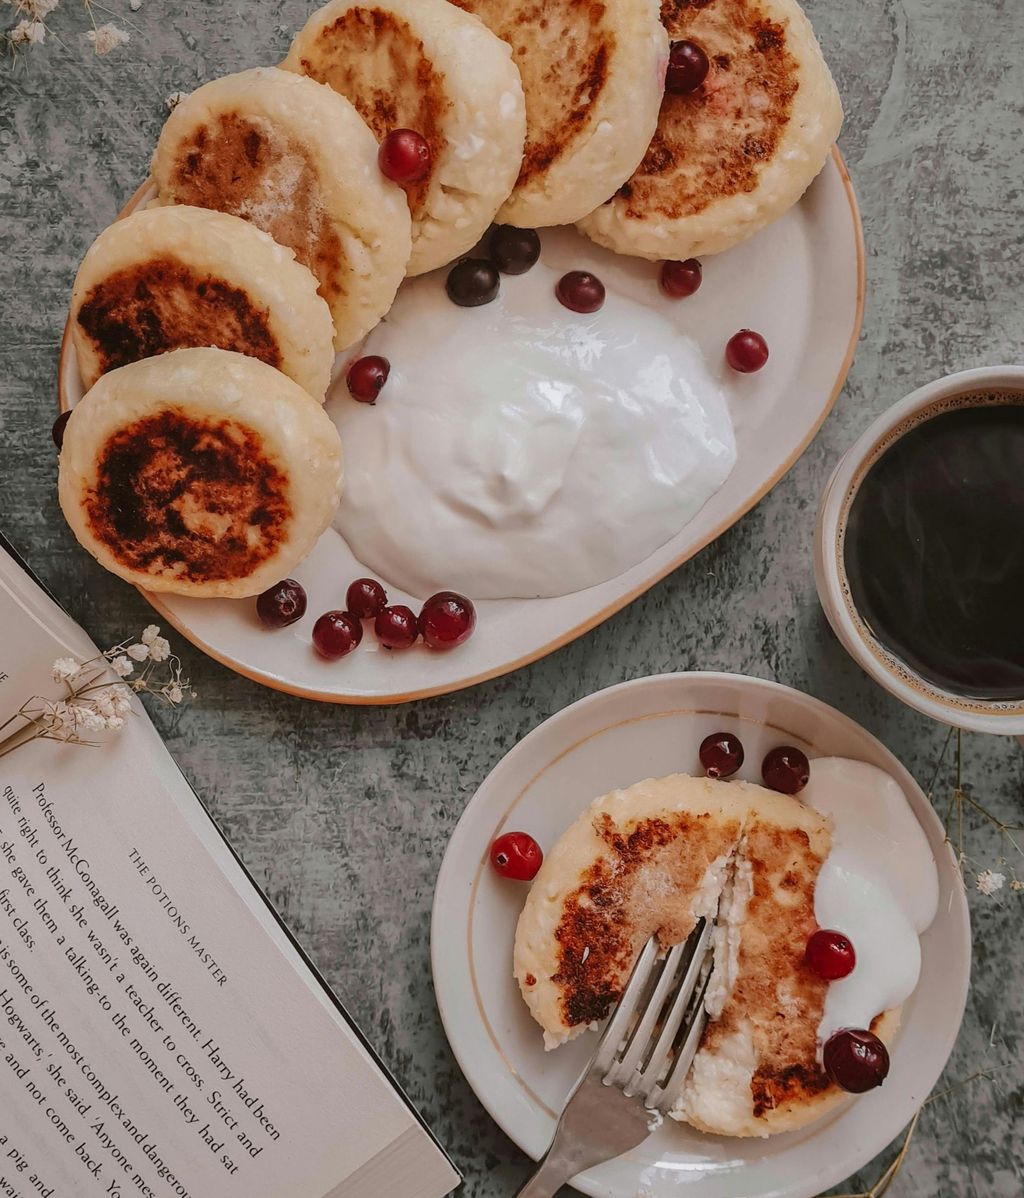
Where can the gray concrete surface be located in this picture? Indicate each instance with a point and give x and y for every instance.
(343, 814)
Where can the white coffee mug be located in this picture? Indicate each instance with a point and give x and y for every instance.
(830, 574)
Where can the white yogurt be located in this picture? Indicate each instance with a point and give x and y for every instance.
(879, 886)
(522, 450)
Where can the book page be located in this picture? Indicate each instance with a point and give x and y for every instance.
(159, 1034)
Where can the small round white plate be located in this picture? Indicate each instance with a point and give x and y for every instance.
(800, 282)
(649, 728)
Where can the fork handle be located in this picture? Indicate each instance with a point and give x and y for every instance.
(553, 1173)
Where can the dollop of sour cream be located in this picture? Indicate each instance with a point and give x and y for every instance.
(879, 886)
(520, 449)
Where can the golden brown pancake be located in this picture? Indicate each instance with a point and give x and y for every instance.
(741, 149)
(175, 277)
(592, 74)
(201, 471)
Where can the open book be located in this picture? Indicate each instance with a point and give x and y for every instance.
(160, 1032)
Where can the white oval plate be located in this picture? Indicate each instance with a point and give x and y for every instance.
(800, 283)
(652, 727)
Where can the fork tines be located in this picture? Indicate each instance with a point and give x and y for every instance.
(655, 1029)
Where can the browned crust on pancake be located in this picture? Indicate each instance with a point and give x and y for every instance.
(600, 915)
(152, 307)
(197, 498)
(411, 95)
(562, 88)
(249, 168)
(696, 156)
(780, 920)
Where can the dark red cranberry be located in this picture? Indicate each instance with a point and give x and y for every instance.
(513, 251)
(365, 598)
(746, 351)
(396, 627)
(472, 282)
(516, 855)
(366, 376)
(687, 68)
(785, 769)
(447, 619)
(336, 634)
(282, 605)
(404, 156)
(830, 954)
(680, 279)
(580, 291)
(856, 1060)
(59, 425)
(721, 754)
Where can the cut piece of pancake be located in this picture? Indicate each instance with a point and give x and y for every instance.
(171, 278)
(297, 160)
(738, 152)
(426, 65)
(201, 472)
(593, 73)
(654, 858)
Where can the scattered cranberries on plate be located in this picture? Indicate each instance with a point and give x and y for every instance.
(856, 1060)
(746, 351)
(516, 855)
(680, 279)
(721, 754)
(688, 67)
(447, 619)
(830, 955)
(336, 634)
(367, 376)
(580, 291)
(365, 598)
(786, 770)
(282, 604)
(513, 251)
(404, 156)
(472, 282)
(396, 627)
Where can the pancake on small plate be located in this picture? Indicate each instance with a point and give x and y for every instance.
(200, 472)
(593, 73)
(170, 278)
(653, 859)
(297, 160)
(734, 155)
(426, 65)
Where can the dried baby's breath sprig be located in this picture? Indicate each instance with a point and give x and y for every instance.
(174, 99)
(98, 693)
(107, 37)
(987, 881)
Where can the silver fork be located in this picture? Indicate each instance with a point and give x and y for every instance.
(640, 1064)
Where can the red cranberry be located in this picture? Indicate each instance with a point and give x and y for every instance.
(365, 598)
(404, 156)
(447, 619)
(721, 754)
(680, 279)
(785, 769)
(366, 376)
(59, 425)
(516, 855)
(580, 291)
(830, 955)
(687, 68)
(746, 351)
(472, 282)
(336, 634)
(396, 627)
(856, 1060)
(513, 251)
(282, 605)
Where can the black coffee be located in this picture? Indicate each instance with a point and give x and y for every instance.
(934, 548)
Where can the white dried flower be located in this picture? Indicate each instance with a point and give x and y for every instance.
(989, 882)
(174, 693)
(138, 652)
(150, 633)
(135, 5)
(86, 718)
(115, 723)
(122, 666)
(174, 99)
(37, 10)
(28, 33)
(1017, 884)
(108, 37)
(160, 649)
(66, 669)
